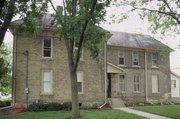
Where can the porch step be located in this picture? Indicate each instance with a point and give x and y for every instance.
(116, 102)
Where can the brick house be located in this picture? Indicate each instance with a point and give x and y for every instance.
(131, 68)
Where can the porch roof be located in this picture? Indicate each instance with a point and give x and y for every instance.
(111, 68)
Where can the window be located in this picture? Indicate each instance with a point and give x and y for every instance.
(47, 47)
(135, 58)
(136, 83)
(80, 82)
(154, 59)
(122, 82)
(173, 83)
(47, 82)
(121, 58)
(155, 83)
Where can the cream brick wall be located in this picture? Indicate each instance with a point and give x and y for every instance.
(93, 73)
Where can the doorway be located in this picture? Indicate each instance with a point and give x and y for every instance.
(109, 85)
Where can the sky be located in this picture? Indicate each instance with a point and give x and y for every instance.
(132, 25)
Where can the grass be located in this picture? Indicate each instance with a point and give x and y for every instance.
(172, 111)
(108, 114)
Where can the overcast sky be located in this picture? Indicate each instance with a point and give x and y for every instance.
(132, 25)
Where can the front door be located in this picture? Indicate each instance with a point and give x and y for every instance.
(109, 85)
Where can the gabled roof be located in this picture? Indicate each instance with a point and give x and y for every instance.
(111, 68)
(175, 74)
(134, 40)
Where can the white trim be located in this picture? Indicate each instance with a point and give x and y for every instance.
(51, 48)
(42, 82)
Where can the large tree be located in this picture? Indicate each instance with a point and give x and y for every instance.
(23, 8)
(164, 15)
(77, 24)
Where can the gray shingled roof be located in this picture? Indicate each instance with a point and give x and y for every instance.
(46, 21)
(117, 38)
(134, 40)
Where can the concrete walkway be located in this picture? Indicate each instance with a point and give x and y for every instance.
(144, 114)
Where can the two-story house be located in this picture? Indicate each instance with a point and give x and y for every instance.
(132, 67)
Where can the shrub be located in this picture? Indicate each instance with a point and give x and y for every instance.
(37, 107)
(53, 106)
(67, 106)
(5, 103)
(94, 106)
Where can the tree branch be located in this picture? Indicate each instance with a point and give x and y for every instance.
(74, 5)
(173, 15)
(81, 39)
(52, 5)
(1, 6)
(7, 20)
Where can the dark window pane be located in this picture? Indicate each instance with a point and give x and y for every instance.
(121, 60)
(79, 86)
(47, 42)
(47, 53)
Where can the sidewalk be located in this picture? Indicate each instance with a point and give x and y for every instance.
(144, 114)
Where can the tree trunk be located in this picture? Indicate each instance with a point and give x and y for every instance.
(74, 95)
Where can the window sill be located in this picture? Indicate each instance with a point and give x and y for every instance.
(122, 65)
(136, 66)
(80, 93)
(46, 94)
(156, 92)
(154, 67)
(47, 58)
(136, 92)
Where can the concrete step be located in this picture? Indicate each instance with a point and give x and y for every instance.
(116, 102)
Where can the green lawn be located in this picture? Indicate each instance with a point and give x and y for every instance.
(172, 111)
(108, 114)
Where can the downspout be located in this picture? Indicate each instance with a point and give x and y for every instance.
(26, 90)
(145, 68)
(105, 78)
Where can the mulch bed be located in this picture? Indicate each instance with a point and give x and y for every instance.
(9, 111)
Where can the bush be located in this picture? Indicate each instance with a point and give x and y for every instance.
(37, 107)
(5, 103)
(67, 106)
(94, 106)
(54, 106)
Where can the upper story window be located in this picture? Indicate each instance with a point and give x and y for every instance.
(47, 47)
(136, 83)
(47, 82)
(122, 82)
(155, 83)
(154, 59)
(121, 58)
(80, 82)
(135, 58)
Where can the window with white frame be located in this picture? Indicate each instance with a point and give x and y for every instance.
(155, 83)
(154, 59)
(47, 82)
(135, 58)
(80, 81)
(121, 58)
(47, 47)
(136, 83)
(122, 82)
(173, 83)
